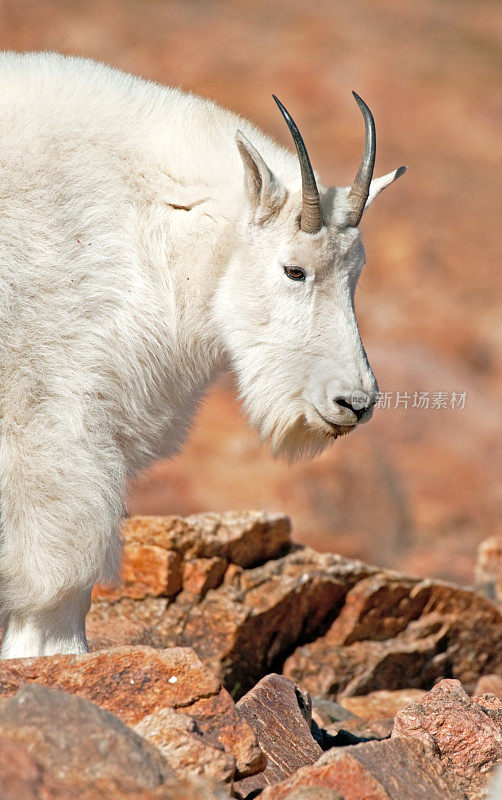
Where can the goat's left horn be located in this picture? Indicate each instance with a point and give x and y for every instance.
(311, 216)
(360, 189)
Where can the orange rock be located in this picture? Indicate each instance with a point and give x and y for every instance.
(382, 704)
(202, 574)
(132, 682)
(77, 742)
(240, 628)
(244, 538)
(24, 777)
(147, 571)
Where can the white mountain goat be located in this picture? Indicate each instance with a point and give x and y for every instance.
(148, 240)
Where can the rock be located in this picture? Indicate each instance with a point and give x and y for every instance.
(489, 684)
(187, 750)
(24, 777)
(382, 704)
(280, 716)
(154, 548)
(395, 632)
(488, 577)
(350, 629)
(79, 743)
(354, 731)
(245, 538)
(467, 733)
(242, 629)
(325, 712)
(397, 769)
(202, 574)
(133, 682)
(339, 727)
(335, 726)
(147, 571)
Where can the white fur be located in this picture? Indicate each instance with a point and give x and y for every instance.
(142, 252)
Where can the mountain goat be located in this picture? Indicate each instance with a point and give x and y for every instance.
(148, 240)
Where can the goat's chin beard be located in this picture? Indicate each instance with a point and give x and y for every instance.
(291, 437)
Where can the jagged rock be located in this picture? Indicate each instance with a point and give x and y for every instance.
(337, 726)
(154, 548)
(242, 629)
(396, 632)
(133, 682)
(186, 748)
(79, 743)
(466, 733)
(245, 538)
(202, 574)
(382, 704)
(384, 631)
(397, 769)
(247, 624)
(280, 716)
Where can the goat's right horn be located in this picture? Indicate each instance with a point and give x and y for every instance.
(311, 215)
(360, 190)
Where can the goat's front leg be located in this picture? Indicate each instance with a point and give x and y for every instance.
(62, 486)
(60, 629)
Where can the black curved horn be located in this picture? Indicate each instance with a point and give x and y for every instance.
(360, 189)
(311, 216)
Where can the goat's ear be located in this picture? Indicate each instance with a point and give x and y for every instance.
(265, 193)
(379, 184)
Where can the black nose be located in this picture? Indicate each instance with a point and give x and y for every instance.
(342, 401)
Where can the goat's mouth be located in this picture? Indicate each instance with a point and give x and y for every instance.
(335, 429)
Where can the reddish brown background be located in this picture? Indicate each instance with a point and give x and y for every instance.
(414, 489)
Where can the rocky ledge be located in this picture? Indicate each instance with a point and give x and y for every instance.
(229, 662)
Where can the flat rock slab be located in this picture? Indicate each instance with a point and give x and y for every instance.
(396, 769)
(132, 682)
(280, 716)
(466, 733)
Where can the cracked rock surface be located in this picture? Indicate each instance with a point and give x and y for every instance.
(229, 662)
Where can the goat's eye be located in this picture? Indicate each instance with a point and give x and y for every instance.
(295, 273)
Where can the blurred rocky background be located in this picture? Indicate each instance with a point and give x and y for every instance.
(417, 489)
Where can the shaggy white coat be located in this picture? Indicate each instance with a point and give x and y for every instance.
(142, 251)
